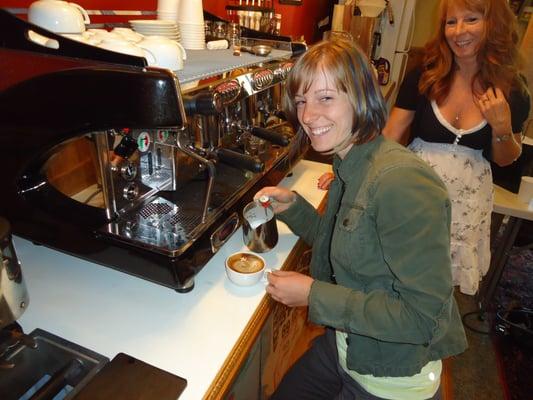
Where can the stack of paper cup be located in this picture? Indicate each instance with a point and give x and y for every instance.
(191, 23)
(525, 193)
(168, 9)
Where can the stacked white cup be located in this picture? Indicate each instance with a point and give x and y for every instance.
(168, 9)
(191, 23)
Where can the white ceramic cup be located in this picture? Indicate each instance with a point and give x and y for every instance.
(102, 34)
(129, 34)
(167, 53)
(125, 47)
(82, 38)
(58, 16)
(245, 269)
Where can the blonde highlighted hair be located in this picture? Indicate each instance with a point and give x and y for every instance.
(498, 56)
(349, 69)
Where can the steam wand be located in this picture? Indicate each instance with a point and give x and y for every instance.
(211, 170)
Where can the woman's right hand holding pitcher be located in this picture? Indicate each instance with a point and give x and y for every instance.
(281, 198)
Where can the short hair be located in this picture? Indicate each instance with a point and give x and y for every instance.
(349, 68)
(498, 56)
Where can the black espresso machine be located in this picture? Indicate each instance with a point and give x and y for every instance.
(111, 161)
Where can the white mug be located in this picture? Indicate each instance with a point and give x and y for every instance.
(125, 47)
(58, 16)
(167, 53)
(82, 38)
(129, 34)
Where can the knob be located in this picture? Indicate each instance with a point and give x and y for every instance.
(128, 171)
(131, 191)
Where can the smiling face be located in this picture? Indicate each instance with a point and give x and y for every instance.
(325, 114)
(464, 32)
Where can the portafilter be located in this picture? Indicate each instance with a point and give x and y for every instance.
(13, 293)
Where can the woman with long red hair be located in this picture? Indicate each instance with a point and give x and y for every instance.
(465, 106)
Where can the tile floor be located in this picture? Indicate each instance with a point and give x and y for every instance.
(475, 372)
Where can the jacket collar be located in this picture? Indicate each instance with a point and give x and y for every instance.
(359, 155)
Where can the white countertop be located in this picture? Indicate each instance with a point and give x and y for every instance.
(109, 312)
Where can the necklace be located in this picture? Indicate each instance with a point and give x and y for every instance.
(457, 117)
(459, 133)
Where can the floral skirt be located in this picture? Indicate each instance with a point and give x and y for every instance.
(468, 177)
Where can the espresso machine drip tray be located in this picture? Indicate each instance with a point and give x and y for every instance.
(45, 366)
(158, 225)
(171, 221)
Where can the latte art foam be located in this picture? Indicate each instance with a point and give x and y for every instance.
(245, 263)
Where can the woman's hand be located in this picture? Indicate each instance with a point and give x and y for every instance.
(495, 109)
(325, 180)
(282, 198)
(289, 287)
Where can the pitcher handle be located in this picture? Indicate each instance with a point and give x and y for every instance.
(86, 19)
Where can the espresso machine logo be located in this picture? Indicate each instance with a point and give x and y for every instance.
(227, 92)
(262, 79)
(283, 70)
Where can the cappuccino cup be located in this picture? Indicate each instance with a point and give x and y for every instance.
(245, 269)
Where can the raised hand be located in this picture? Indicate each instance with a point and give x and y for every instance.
(495, 108)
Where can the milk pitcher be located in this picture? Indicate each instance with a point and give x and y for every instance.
(259, 227)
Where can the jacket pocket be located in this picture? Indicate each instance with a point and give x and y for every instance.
(349, 238)
(352, 219)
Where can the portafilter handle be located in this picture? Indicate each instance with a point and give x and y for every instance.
(239, 160)
(204, 103)
(13, 293)
(272, 136)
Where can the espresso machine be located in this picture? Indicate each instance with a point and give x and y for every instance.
(108, 159)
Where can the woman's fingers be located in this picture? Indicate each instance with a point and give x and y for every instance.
(266, 191)
(324, 181)
(495, 109)
(282, 198)
(289, 287)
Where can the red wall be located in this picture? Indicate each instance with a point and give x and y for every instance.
(295, 21)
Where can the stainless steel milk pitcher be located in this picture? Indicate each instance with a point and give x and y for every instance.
(259, 227)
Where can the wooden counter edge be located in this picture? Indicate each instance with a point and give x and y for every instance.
(237, 357)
